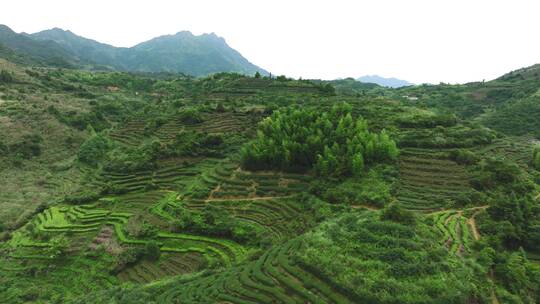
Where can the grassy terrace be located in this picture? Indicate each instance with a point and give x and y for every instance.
(171, 174)
(130, 134)
(429, 180)
(212, 123)
(272, 278)
(456, 230)
(517, 149)
(170, 264)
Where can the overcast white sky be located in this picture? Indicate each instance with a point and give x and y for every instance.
(416, 40)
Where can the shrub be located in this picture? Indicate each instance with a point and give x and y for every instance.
(5, 77)
(154, 124)
(372, 189)
(94, 149)
(3, 148)
(138, 227)
(464, 157)
(28, 147)
(396, 213)
(493, 172)
(190, 116)
(152, 250)
(134, 159)
(128, 257)
(81, 197)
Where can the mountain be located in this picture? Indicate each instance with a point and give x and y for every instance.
(385, 82)
(194, 55)
(183, 53)
(23, 49)
(90, 50)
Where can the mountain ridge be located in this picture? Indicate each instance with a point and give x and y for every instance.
(183, 52)
(390, 82)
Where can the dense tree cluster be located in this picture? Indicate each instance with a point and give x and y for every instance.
(332, 143)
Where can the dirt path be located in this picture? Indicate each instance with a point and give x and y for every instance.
(494, 299)
(472, 222)
(216, 189)
(368, 207)
(483, 207)
(260, 198)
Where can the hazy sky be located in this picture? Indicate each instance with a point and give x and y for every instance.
(420, 41)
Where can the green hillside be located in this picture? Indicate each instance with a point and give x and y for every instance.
(164, 188)
(180, 53)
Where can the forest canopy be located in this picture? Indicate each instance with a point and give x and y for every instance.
(332, 143)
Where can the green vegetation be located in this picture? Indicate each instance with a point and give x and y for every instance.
(536, 157)
(517, 118)
(5, 77)
(404, 267)
(61, 48)
(164, 188)
(332, 143)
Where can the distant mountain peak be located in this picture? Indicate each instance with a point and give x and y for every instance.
(183, 52)
(391, 82)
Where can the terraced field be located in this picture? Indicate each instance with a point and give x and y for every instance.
(252, 86)
(87, 220)
(170, 174)
(262, 199)
(272, 278)
(130, 134)
(170, 264)
(429, 180)
(242, 184)
(212, 123)
(517, 149)
(459, 231)
(133, 133)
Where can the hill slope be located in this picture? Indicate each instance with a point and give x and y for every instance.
(180, 53)
(22, 49)
(364, 197)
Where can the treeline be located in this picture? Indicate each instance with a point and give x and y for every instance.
(332, 143)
